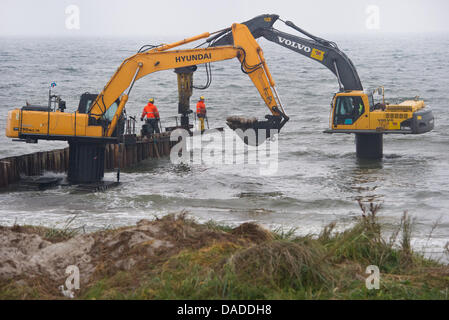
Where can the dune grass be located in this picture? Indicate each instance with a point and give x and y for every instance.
(281, 266)
(258, 264)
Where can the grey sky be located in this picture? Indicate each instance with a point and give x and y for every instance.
(190, 17)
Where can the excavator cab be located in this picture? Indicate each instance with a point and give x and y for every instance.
(350, 111)
(356, 111)
(86, 101)
(85, 105)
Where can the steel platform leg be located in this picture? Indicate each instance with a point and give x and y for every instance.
(86, 162)
(369, 145)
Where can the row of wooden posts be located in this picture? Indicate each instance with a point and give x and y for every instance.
(125, 154)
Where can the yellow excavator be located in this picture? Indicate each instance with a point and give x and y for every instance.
(95, 123)
(353, 110)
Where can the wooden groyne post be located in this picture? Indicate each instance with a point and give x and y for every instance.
(130, 154)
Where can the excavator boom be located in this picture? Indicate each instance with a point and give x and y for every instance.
(325, 52)
(100, 121)
(244, 47)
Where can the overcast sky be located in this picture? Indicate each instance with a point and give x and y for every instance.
(190, 17)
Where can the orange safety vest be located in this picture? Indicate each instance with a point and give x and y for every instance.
(150, 111)
(200, 108)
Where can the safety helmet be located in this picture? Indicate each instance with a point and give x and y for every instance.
(151, 100)
(201, 98)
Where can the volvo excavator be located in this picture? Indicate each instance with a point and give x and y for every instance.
(96, 122)
(353, 109)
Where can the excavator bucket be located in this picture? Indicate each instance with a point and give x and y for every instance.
(254, 132)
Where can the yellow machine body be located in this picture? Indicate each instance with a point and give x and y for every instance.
(353, 112)
(56, 124)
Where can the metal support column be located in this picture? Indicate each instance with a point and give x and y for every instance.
(369, 145)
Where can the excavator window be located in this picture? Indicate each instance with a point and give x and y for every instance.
(348, 110)
(86, 102)
(111, 111)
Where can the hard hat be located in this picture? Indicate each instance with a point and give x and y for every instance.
(201, 98)
(151, 100)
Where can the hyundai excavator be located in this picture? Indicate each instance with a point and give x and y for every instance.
(95, 123)
(353, 109)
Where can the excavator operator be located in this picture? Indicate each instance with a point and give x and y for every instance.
(152, 114)
(358, 107)
(201, 112)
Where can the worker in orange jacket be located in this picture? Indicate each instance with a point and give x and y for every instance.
(152, 114)
(201, 112)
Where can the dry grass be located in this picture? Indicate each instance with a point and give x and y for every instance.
(248, 262)
(282, 263)
(252, 232)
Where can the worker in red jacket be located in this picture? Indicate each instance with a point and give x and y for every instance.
(152, 114)
(201, 112)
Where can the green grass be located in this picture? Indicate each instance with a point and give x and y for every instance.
(256, 264)
(330, 266)
(52, 234)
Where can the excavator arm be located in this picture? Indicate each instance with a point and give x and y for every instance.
(26, 124)
(353, 110)
(325, 52)
(244, 47)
